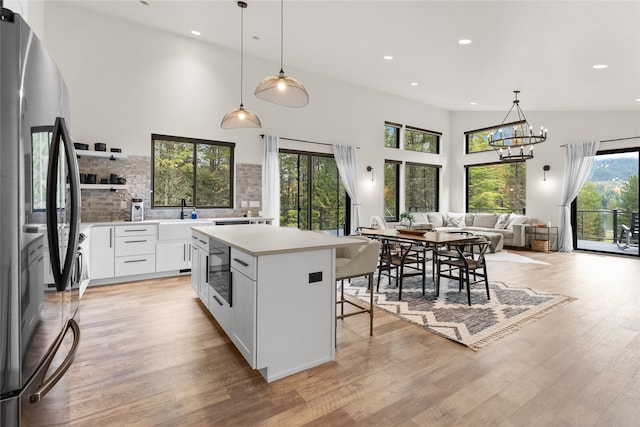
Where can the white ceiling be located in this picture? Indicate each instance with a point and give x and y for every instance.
(546, 49)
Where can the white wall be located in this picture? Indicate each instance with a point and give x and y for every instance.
(543, 197)
(126, 82)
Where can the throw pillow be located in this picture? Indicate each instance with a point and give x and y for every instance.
(503, 219)
(455, 220)
(420, 218)
(435, 218)
(468, 219)
(485, 220)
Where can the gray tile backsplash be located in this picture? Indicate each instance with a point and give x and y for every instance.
(105, 205)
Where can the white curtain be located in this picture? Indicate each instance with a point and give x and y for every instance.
(345, 156)
(577, 165)
(271, 179)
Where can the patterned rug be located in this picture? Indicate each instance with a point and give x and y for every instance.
(475, 326)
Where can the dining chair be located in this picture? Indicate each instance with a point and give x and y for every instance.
(468, 262)
(357, 261)
(396, 256)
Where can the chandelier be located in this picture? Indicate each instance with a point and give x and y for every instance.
(514, 141)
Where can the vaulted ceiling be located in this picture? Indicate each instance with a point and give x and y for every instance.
(545, 49)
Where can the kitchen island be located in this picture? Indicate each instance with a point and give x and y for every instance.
(274, 296)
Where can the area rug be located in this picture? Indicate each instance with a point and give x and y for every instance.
(475, 326)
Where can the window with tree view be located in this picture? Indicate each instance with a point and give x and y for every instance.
(421, 140)
(498, 187)
(391, 190)
(477, 140)
(199, 171)
(392, 135)
(421, 187)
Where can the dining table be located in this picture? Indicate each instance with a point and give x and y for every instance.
(420, 236)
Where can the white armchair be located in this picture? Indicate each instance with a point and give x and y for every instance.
(357, 261)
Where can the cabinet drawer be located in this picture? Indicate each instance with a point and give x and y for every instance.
(135, 245)
(136, 230)
(244, 263)
(132, 265)
(220, 309)
(201, 240)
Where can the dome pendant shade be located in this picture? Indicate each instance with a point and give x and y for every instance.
(240, 118)
(283, 90)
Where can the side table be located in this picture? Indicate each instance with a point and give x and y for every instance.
(543, 239)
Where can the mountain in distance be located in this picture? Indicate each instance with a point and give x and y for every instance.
(607, 168)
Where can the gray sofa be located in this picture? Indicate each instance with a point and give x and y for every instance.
(510, 226)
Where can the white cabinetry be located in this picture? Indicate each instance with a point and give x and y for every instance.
(102, 249)
(135, 249)
(243, 309)
(173, 249)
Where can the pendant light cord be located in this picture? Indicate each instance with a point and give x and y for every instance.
(281, 36)
(241, 50)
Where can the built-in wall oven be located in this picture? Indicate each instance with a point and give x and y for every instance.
(219, 273)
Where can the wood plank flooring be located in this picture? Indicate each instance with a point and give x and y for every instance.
(151, 355)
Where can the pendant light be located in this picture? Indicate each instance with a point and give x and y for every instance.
(282, 89)
(240, 117)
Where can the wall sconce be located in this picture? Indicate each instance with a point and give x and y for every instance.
(370, 169)
(545, 169)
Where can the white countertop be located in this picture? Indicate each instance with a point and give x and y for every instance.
(262, 239)
(179, 221)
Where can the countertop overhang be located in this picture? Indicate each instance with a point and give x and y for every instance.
(263, 239)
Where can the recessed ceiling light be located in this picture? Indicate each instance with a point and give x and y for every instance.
(414, 83)
(464, 41)
(600, 66)
(195, 33)
(473, 103)
(638, 99)
(388, 57)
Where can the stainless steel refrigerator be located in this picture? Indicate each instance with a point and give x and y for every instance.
(39, 184)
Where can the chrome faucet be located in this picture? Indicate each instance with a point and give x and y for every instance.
(183, 203)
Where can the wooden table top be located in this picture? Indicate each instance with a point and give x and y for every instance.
(434, 237)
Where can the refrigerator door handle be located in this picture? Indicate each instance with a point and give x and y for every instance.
(60, 133)
(47, 384)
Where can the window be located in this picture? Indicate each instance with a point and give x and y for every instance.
(498, 187)
(197, 170)
(391, 190)
(392, 135)
(421, 187)
(477, 140)
(423, 141)
(312, 196)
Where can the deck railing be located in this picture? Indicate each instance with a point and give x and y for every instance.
(601, 225)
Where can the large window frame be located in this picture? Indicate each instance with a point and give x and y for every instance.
(421, 140)
(391, 190)
(506, 197)
(419, 191)
(190, 164)
(476, 140)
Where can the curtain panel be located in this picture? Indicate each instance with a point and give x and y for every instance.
(345, 156)
(271, 179)
(578, 161)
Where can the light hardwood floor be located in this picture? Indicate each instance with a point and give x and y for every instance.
(151, 355)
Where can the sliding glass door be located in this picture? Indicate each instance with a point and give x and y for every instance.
(607, 203)
(312, 196)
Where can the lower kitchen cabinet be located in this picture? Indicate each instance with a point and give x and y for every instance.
(102, 249)
(173, 255)
(243, 315)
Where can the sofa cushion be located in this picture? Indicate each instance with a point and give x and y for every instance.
(487, 220)
(503, 220)
(455, 219)
(420, 218)
(436, 218)
(468, 218)
(516, 219)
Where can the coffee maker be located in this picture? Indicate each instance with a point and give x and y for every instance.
(137, 210)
